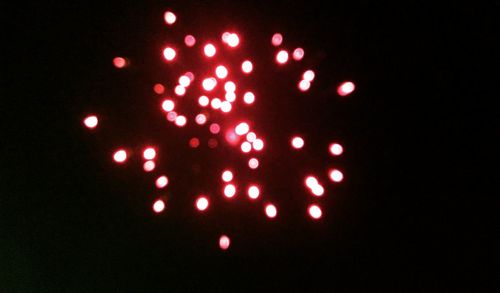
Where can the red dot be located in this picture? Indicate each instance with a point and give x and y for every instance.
(194, 142)
(159, 88)
(119, 62)
(214, 128)
(90, 121)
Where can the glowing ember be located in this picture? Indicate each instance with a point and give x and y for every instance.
(119, 62)
(253, 163)
(224, 242)
(149, 153)
(253, 191)
(168, 105)
(315, 211)
(149, 166)
(298, 54)
(209, 50)
(346, 88)
(202, 203)
(221, 71)
(297, 142)
(271, 211)
(90, 121)
(247, 66)
(233, 40)
(169, 17)
(277, 39)
(336, 175)
(229, 190)
(336, 149)
(189, 40)
(227, 176)
(209, 83)
(169, 54)
(180, 121)
(248, 97)
(242, 128)
(120, 156)
(158, 206)
(282, 57)
(161, 181)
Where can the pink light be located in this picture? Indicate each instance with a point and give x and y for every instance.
(201, 119)
(149, 166)
(159, 88)
(271, 211)
(169, 54)
(149, 153)
(171, 116)
(311, 181)
(161, 181)
(304, 85)
(229, 86)
(224, 242)
(216, 103)
(231, 137)
(221, 71)
(194, 142)
(158, 206)
(229, 190)
(258, 144)
(230, 97)
(212, 143)
(225, 36)
(119, 62)
(282, 57)
(227, 176)
(336, 149)
(315, 211)
(180, 121)
(202, 203)
(251, 136)
(120, 156)
(214, 128)
(318, 190)
(168, 105)
(189, 40)
(253, 191)
(242, 128)
(308, 75)
(209, 83)
(203, 101)
(277, 39)
(336, 175)
(297, 142)
(249, 98)
(225, 106)
(180, 90)
(233, 40)
(184, 81)
(169, 17)
(253, 163)
(190, 75)
(91, 121)
(246, 147)
(209, 50)
(346, 88)
(246, 66)
(298, 54)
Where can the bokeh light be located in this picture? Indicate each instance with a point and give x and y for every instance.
(298, 54)
(242, 128)
(203, 101)
(180, 120)
(335, 149)
(271, 211)
(169, 17)
(258, 144)
(336, 175)
(161, 181)
(201, 119)
(202, 203)
(158, 206)
(169, 53)
(249, 97)
(282, 57)
(149, 166)
(247, 66)
(119, 62)
(194, 142)
(233, 40)
(229, 86)
(168, 105)
(308, 75)
(214, 128)
(221, 71)
(304, 85)
(253, 163)
(190, 40)
(246, 147)
(209, 83)
(120, 156)
(180, 90)
(345, 88)
(224, 242)
(229, 190)
(159, 88)
(253, 191)
(209, 50)
(315, 211)
(277, 39)
(91, 121)
(227, 176)
(149, 153)
(297, 142)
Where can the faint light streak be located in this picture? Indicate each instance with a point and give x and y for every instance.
(120, 156)
(91, 121)
(161, 181)
(158, 206)
(346, 88)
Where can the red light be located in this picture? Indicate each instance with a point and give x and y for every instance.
(308, 75)
(90, 121)
(216, 103)
(311, 181)
(201, 119)
(169, 17)
(209, 83)
(189, 40)
(230, 96)
(229, 190)
(315, 211)
(209, 50)
(221, 71)
(298, 54)
(225, 106)
(149, 166)
(230, 86)
(158, 206)
(203, 101)
(248, 97)
(336, 149)
(119, 62)
(242, 128)
(258, 144)
(304, 85)
(180, 121)
(120, 156)
(336, 175)
(168, 105)
(214, 128)
(169, 54)
(251, 137)
(246, 147)
(194, 142)
(282, 57)
(346, 88)
(253, 191)
(202, 203)
(149, 153)
(224, 242)
(253, 163)
(271, 211)
(171, 116)
(184, 81)
(297, 142)
(180, 90)
(247, 66)
(231, 137)
(161, 181)
(233, 40)
(159, 88)
(212, 143)
(227, 176)
(277, 39)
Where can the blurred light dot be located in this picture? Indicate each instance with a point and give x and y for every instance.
(149, 166)
(90, 121)
(297, 142)
(203, 101)
(311, 181)
(189, 40)
(169, 54)
(242, 128)
(225, 36)
(120, 156)
(230, 96)
(168, 105)
(336, 149)
(308, 75)
(253, 163)
(202, 203)
(194, 142)
(227, 175)
(119, 62)
(212, 143)
(251, 136)
(221, 71)
(246, 147)
(231, 137)
(336, 175)
(216, 103)
(298, 54)
(190, 75)
(214, 128)
(171, 116)
(233, 40)
(282, 57)
(315, 211)
(247, 66)
(159, 206)
(346, 88)
(318, 190)
(229, 190)
(271, 211)
(304, 85)
(169, 17)
(224, 242)
(258, 144)
(277, 39)
(180, 121)
(159, 88)
(253, 192)
(209, 50)
(229, 86)
(180, 90)
(225, 106)
(184, 81)
(209, 83)
(161, 181)
(201, 119)
(249, 97)
(149, 153)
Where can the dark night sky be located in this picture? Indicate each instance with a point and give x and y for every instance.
(71, 221)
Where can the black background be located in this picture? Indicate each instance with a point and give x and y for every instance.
(71, 221)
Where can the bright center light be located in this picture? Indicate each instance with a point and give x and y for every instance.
(169, 17)
(311, 181)
(225, 106)
(253, 191)
(161, 181)
(149, 166)
(308, 75)
(203, 101)
(202, 203)
(298, 54)
(180, 90)
(224, 242)
(253, 163)
(169, 54)
(221, 71)
(209, 83)
(336, 149)
(318, 190)
(242, 128)
(336, 175)
(258, 144)
(233, 40)
(159, 206)
(149, 153)
(304, 85)
(168, 105)
(209, 50)
(282, 57)
(230, 86)
(277, 39)
(180, 121)
(120, 156)
(247, 66)
(346, 88)
(229, 190)
(271, 211)
(90, 121)
(201, 119)
(184, 81)
(227, 176)
(315, 211)
(297, 142)
(246, 147)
